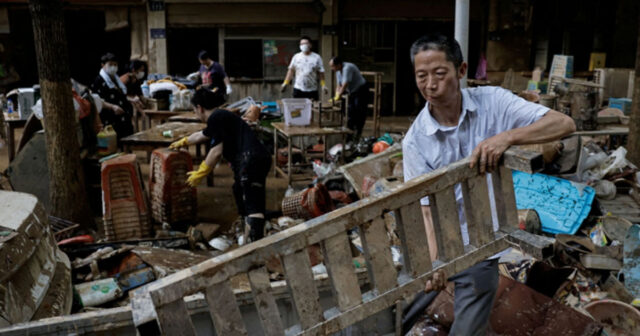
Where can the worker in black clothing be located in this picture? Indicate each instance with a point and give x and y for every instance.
(234, 140)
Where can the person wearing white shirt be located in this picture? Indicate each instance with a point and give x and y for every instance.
(456, 123)
(307, 68)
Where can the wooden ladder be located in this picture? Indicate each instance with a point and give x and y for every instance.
(164, 301)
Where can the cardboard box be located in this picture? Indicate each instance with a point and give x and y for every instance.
(623, 104)
(597, 60)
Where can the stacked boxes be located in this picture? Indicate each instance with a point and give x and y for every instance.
(561, 66)
(172, 199)
(124, 202)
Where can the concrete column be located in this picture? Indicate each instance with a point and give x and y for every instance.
(461, 32)
(157, 23)
(328, 42)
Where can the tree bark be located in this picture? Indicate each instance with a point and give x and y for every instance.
(633, 145)
(67, 193)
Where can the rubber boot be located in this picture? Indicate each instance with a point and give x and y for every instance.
(256, 225)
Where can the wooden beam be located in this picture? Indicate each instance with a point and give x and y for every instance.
(375, 242)
(224, 310)
(477, 210)
(297, 268)
(265, 302)
(415, 248)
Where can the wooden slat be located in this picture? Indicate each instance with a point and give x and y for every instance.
(297, 268)
(174, 319)
(502, 181)
(415, 247)
(193, 279)
(477, 210)
(265, 302)
(446, 224)
(224, 310)
(375, 242)
(339, 264)
(364, 310)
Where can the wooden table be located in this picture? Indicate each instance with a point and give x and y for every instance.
(290, 132)
(11, 125)
(159, 115)
(186, 117)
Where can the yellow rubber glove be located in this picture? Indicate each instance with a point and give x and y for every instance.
(184, 142)
(197, 175)
(337, 97)
(322, 82)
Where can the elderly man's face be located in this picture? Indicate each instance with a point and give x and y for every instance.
(437, 78)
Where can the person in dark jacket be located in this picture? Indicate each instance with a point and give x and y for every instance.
(111, 89)
(232, 138)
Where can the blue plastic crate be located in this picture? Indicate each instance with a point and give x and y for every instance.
(561, 204)
(623, 104)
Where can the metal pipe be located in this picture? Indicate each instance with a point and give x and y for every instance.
(461, 32)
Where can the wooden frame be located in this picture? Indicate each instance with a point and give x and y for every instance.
(376, 105)
(163, 300)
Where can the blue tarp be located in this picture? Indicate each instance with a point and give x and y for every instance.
(562, 205)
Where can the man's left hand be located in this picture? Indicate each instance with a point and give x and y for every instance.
(487, 154)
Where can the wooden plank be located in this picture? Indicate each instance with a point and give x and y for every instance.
(375, 242)
(265, 302)
(297, 268)
(505, 196)
(415, 248)
(225, 313)
(174, 319)
(524, 160)
(193, 279)
(339, 262)
(539, 247)
(339, 322)
(477, 210)
(446, 224)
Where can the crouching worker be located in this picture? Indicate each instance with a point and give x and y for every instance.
(231, 138)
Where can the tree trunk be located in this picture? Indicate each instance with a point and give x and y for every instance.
(633, 146)
(67, 193)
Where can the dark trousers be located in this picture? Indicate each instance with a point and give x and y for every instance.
(122, 124)
(250, 177)
(475, 292)
(313, 95)
(357, 111)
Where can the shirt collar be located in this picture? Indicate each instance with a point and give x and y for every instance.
(432, 125)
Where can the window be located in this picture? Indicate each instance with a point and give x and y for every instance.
(259, 58)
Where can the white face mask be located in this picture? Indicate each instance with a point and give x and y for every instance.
(111, 69)
(304, 48)
(140, 75)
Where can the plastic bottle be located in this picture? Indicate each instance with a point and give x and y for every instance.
(145, 89)
(10, 108)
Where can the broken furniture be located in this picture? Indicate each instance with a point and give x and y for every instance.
(291, 132)
(376, 103)
(377, 165)
(164, 301)
(173, 201)
(35, 276)
(186, 117)
(124, 202)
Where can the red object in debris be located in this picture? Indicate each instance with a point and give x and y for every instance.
(380, 146)
(84, 239)
(172, 199)
(126, 213)
(309, 203)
